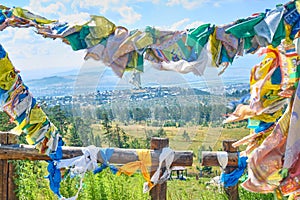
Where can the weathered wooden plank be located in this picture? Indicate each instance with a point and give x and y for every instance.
(5, 180)
(209, 158)
(3, 175)
(2, 178)
(11, 184)
(4, 170)
(12, 138)
(120, 156)
(3, 137)
(232, 191)
(11, 151)
(159, 191)
(228, 147)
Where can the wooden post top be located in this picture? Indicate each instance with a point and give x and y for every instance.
(227, 146)
(159, 191)
(159, 143)
(209, 158)
(8, 138)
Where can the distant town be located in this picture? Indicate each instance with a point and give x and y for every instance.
(132, 95)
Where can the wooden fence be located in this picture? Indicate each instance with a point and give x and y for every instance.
(10, 150)
(209, 158)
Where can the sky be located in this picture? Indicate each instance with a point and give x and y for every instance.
(37, 57)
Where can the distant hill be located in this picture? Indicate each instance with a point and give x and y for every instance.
(200, 92)
(92, 78)
(52, 80)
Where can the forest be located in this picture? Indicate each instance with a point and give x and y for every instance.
(110, 125)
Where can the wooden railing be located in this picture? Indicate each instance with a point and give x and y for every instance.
(209, 158)
(10, 150)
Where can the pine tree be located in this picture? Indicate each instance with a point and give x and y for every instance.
(98, 142)
(186, 136)
(74, 138)
(106, 126)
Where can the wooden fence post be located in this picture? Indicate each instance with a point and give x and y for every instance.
(211, 159)
(233, 191)
(10, 150)
(7, 185)
(158, 192)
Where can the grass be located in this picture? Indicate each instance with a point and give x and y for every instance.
(199, 136)
(193, 189)
(108, 186)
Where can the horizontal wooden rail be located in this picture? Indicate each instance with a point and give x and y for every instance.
(9, 150)
(120, 156)
(209, 158)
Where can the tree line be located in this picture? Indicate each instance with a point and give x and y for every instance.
(164, 115)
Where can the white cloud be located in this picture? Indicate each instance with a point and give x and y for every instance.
(192, 4)
(182, 25)
(173, 2)
(37, 6)
(49, 55)
(22, 35)
(217, 4)
(6, 34)
(195, 24)
(129, 15)
(178, 25)
(103, 4)
(73, 19)
(186, 3)
(22, 51)
(28, 50)
(152, 1)
(23, 42)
